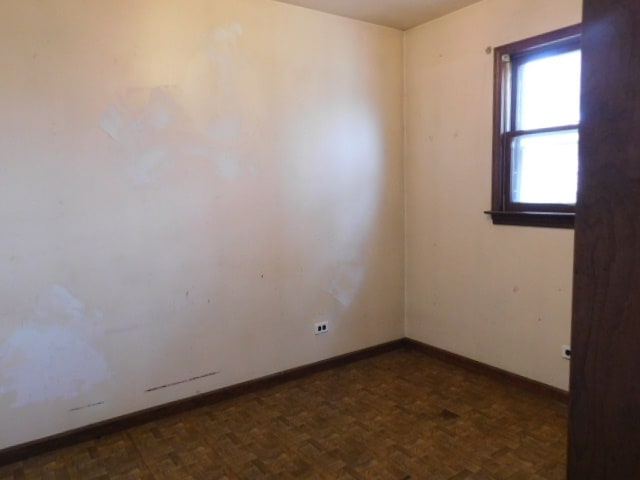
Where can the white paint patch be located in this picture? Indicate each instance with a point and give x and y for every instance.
(52, 355)
(150, 130)
(211, 114)
(254, 170)
(227, 167)
(342, 144)
(148, 165)
(223, 52)
(222, 44)
(345, 284)
(159, 112)
(225, 129)
(111, 123)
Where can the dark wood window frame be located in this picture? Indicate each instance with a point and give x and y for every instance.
(503, 211)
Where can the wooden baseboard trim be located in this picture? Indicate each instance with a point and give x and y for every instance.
(489, 371)
(118, 424)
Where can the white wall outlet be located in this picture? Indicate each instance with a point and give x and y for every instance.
(321, 327)
(566, 352)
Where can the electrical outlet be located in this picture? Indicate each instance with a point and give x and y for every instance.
(566, 352)
(321, 327)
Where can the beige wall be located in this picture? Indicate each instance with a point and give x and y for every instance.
(500, 295)
(185, 191)
(185, 188)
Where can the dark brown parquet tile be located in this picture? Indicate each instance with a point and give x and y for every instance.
(398, 416)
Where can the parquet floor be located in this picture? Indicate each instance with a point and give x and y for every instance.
(397, 416)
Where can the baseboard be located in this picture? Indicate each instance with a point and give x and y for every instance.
(107, 427)
(489, 371)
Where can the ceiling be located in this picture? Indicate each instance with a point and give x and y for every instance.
(400, 14)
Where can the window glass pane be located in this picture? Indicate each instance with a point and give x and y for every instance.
(549, 92)
(545, 168)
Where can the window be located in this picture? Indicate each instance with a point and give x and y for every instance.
(535, 137)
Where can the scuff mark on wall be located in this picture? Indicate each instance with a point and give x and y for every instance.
(86, 406)
(173, 384)
(52, 355)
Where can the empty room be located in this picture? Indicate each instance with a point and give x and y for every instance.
(316, 239)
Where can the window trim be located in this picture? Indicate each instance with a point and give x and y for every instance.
(503, 211)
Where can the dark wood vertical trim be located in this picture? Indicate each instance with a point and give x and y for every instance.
(604, 425)
(497, 201)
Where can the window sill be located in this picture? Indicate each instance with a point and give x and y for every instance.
(533, 219)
